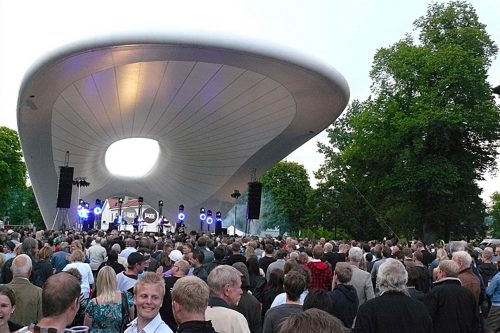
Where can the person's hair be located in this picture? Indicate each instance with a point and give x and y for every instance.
(457, 246)
(183, 266)
(76, 273)
(164, 260)
(328, 247)
(220, 276)
(318, 252)
(113, 255)
(294, 285)
(21, 266)
(487, 253)
(9, 293)
(269, 248)
(281, 253)
(413, 276)
(249, 251)
(219, 253)
(343, 270)
(289, 265)
(192, 293)
(116, 247)
(150, 278)
(106, 284)
(130, 242)
(312, 321)
(29, 246)
(45, 252)
(198, 255)
(407, 252)
(462, 258)
(392, 276)
(386, 251)
(355, 254)
(235, 247)
(58, 292)
(77, 255)
(418, 255)
(276, 279)
(449, 267)
(319, 299)
(202, 241)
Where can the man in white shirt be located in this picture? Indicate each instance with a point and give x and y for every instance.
(148, 298)
(97, 255)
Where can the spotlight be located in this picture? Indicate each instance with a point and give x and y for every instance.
(210, 219)
(203, 216)
(218, 216)
(120, 200)
(160, 203)
(97, 210)
(181, 216)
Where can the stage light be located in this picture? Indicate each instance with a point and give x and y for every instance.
(181, 216)
(160, 203)
(97, 210)
(218, 216)
(203, 215)
(210, 219)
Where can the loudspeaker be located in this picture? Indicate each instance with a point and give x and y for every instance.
(254, 195)
(218, 227)
(65, 187)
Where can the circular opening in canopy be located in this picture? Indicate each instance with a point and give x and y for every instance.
(133, 157)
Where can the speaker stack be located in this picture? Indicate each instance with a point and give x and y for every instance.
(65, 187)
(254, 196)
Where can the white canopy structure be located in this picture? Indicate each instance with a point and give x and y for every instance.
(219, 111)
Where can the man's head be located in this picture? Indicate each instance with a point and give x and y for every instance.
(148, 295)
(225, 282)
(294, 285)
(318, 252)
(463, 259)
(21, 266)
(392, 276)
(355, 254)
(62, 306)
(312, 321)
(29, 246)
(187, 248)
(189, 299)
(196, 258)
(343, 272)
(447, 268)
(180, 268)
(137, 262)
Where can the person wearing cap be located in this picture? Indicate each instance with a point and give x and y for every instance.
(125, 281)
(8, 250)
(174, 256)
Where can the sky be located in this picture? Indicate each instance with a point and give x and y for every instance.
(342, 34)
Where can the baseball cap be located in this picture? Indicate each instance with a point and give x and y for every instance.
(10, 231)
(176, 255)
(135, 258)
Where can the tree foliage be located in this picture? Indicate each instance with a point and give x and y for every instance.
(495, 214)
(17, 201)
(408, 159)
(285, 191)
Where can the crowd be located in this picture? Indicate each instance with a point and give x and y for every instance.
(148, 282)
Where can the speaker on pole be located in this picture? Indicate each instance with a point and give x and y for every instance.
(254, 196)
(65, 187)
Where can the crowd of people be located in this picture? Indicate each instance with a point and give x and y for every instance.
(121, 281)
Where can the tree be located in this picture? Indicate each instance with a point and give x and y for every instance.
(285, 190)
(415, 150)
(495, 214)
(12, 169)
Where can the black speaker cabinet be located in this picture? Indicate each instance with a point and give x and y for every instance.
(254, 196)
(65, 187)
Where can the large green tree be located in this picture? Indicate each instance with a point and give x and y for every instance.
(495, 214)
(416, 149)
(285, 191)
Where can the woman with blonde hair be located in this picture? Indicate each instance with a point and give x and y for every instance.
(104, 312)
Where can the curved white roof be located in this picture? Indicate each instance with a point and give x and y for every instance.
(219, 110)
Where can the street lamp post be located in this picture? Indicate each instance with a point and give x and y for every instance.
(235, 195)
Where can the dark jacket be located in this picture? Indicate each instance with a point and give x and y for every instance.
(250, 307)
(196, 327)
(452, 307)
(345, 303)
(392, 312)
(487, 271)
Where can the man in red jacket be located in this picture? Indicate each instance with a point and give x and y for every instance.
(321, 272)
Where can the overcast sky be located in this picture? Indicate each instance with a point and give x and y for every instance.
(342, 34)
